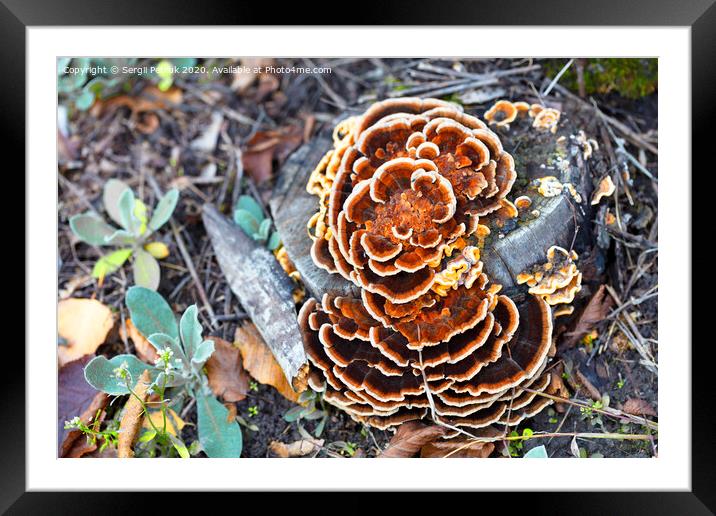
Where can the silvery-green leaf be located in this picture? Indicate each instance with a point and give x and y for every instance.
(248, 203)
(120, 237)
(85, 100)
(146, 270)
(274, 241)
(126, 211)
(264, 229)
(202, 353)
(160, 341)
(246, 221)
(99, 373)
(150, 313)
(91, 228)
(538, 452)
(219, 438)
(164, 209)
(113, 190)
(190, 330)
(62, 63)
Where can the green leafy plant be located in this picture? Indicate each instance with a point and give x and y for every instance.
(109, 436)
(179, 371)
(308, 410)
(594, 417)
(515, 446)
(132, 239)
(82, 80)
(250, 218)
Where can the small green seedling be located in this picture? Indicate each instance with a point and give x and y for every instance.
(308, 411)
(132, 239)
(594, 417)
(93, 432)
(253, 411)
(250, 217)
(515, 445)
(166, 68)
(179, 371)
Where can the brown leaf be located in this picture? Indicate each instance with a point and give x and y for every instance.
(299, 448)
(142, 106)
(461, 447)
(227, 377)
(84, 324)
(410, 438)
(260, 362)
(248, 72)
(588, 386)
(556, 383)
(132, 418)
(596, 310)
(76, 397)
(265, 147)
(142, 347)
(638, 407)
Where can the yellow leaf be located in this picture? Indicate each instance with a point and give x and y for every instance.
(84, 324)
(174, 422)
(157, 249)
(260, 362)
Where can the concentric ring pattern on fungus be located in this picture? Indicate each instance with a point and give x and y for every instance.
(402, 196)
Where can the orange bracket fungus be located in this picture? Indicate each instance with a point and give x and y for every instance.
(556, 281)
(407, 197)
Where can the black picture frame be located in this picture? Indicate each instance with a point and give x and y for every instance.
(700, 15)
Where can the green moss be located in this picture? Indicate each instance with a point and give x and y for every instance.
(631, 78)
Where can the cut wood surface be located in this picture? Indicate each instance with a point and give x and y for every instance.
(263, 288)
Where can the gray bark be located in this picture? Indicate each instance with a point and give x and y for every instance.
(263, 288)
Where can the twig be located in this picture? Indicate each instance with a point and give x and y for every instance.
(606, 411)
(630, 135)
(557, 77)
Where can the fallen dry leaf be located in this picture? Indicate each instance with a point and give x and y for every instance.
(266, 146)
(596, 310)
(132, 418)
(142, 347)
(638, 407)
(250, 69)
(299, 448)
(174, 422)
(142, 106)
(227, 377)
(76, 398)
(84, 324)
(410, 438)
(588, 386)
(260, 362)
(462, 447)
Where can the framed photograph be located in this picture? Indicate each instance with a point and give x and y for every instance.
(272, 257)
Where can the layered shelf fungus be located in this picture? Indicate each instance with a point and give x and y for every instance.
(557, 281)
(407, 196)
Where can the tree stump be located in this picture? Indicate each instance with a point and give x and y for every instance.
(537, 154)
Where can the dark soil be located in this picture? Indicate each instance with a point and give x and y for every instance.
(112, 146)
